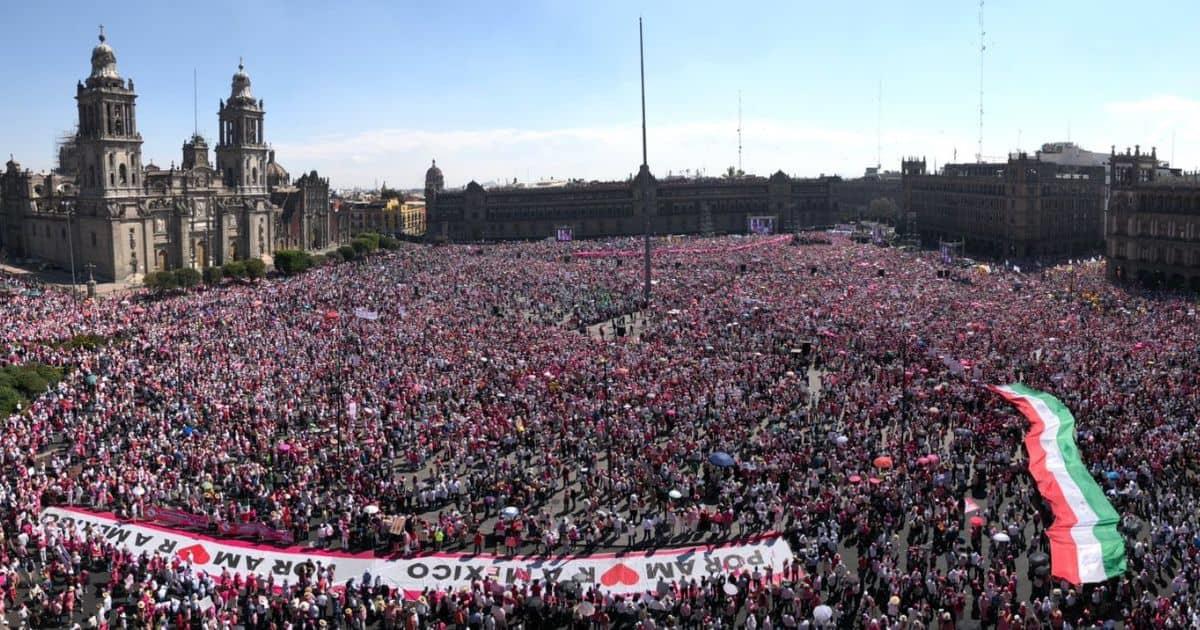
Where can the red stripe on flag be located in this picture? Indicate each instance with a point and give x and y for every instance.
(1064, 562)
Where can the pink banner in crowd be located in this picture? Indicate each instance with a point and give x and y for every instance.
(255, 530)
(177, 518)
(180, 518)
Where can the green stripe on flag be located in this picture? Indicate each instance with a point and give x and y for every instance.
(1105, 530)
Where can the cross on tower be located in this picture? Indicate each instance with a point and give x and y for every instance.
(101, 32)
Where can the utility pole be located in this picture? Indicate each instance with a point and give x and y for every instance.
(740, 132)
(982, 48)
(645, 177)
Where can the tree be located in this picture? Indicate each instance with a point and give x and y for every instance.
(186, 277)
(160, 281)
(256, 268)
(734, 173)
(292, 261)
(387, 242)
(371, 239)
(213, 275)
(235, 269)
(882, 208)
(347, 252)
(150, 281)
(22, 383)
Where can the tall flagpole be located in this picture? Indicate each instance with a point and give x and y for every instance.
(644, 176)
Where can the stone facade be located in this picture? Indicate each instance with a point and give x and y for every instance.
(604, 209)
(1153, 227)
(412, 218)
(306, 221)
(1018, 210)
(125, 219)
(855, 196)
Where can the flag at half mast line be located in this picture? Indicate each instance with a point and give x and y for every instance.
(1085, 545)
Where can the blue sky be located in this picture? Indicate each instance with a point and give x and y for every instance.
(371, 91)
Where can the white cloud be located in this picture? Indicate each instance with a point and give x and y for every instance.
(1166, 121)
(1159, 105)
(400, 156)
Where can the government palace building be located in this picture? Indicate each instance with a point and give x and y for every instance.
(602, 209)
(104, 209)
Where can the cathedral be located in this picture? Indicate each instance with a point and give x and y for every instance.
(107, 212)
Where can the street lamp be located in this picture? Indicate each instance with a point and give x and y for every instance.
(69, 206)
(342, 416)
(604, 411)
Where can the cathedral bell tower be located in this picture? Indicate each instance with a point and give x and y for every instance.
(110, 147)
(241, 152)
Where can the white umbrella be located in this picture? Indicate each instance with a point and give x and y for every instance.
(822, 613)
(841, 440)
(371, 509)
(675, 494)
(585, 609)
(1000, 537)
(510, 512)
(730, 588)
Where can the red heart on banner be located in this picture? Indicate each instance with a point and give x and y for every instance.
(619, 573)
(196, 554)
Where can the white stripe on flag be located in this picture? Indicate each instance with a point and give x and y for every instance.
(1087, 547)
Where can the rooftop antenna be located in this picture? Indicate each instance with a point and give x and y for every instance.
(982, 48)
(739, 131)
(879, 129)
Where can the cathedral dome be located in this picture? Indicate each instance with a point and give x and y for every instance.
(276, 174)
(275, 170)
(104, 60)
(433, 178)
(241, 84)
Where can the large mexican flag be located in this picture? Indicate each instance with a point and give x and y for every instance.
(1085, 545)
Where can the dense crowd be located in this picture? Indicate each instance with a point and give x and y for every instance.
(484, 387)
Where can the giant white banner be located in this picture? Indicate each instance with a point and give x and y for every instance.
(618, 573)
